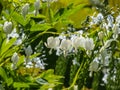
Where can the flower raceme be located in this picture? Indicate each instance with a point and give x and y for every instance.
(67, 45)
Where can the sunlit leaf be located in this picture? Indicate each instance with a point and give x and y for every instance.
(9, 81)
(20, 85)
(20, 19)
(7, 44)
(40, 27)
(21, 61)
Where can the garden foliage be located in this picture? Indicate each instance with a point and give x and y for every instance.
(59, 44)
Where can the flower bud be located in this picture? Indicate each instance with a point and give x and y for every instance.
(101, 35)
(7, 27)
(25, 9)
(28, 51)
(37, 4)
(15, 58)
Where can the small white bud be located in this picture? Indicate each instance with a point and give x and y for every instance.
(7, 27)
(37, 4)
(15, 58)
(25, 9)
(101, 35)
(28, 51)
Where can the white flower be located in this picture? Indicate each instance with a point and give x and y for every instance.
(28, 51)
(39, 63)
(110, 20)
(116, 30)
(100, 17)
(93, 66)
(7, 27)
(78, 42)
(52, 42)
(37, 4)
(117, 20)
(89, 44)
(25, 9)
(74, 61)
(15, 58)
(66, 45)
(104, 79)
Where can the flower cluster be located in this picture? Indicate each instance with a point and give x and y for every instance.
(70, 45)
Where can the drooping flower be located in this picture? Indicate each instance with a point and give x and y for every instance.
(93, 67)
(66, 45)
(89, 44)
(7, 27)
(25, 9)
(52, 42)
(78, 42)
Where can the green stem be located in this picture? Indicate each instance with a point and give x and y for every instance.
(76, 76)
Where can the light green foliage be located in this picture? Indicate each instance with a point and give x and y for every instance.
(59, 44)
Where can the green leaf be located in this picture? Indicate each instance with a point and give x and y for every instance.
(20, 85)
(40, 16)
(9, 81)
(7, 44)
(20, 19)
(20, 61)
(1, 87)
(3, 74)
(41, 27)
(34, 55)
